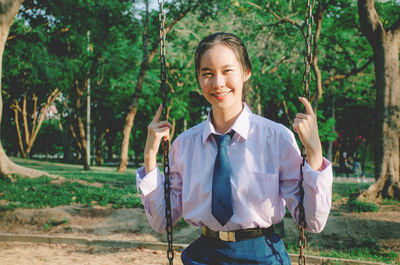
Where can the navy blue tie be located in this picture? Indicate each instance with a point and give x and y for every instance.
(221, 186)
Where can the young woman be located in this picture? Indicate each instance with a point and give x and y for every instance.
(234, 173)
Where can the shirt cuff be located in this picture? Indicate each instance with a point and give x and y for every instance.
(314, 178)
(150, 182)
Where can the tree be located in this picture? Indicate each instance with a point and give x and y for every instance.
(110, 24)
(28, 83)
(35, 124)
(178, 10)
(385, 44)
(9, 8)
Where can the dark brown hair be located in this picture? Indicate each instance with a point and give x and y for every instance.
(227, 39)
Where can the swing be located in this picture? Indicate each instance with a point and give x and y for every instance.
(164, 89)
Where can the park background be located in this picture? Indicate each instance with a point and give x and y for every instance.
(60, 55)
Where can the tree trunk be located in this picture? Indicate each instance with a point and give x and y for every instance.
(82, 136)
(132, 110)
(16, 121)
(77, 125)
(363, 156)
(130, 118)
(99, 149)
(385, 45)
(9, 8)
(333, 116)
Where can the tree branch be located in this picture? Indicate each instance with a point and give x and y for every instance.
(286, 111)
(275, 68)
(71, 126)
(21, 145)
(15, 105)
(318, 16)
(255, 5)
(50, 100)
(354, 71)
(25, 120)
(168, 28)
(345, 52)
(34, 113)
(281, 19)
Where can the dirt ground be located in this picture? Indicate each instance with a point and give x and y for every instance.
(347, 229)
(61, 254)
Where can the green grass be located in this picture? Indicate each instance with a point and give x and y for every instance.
(361, 206)
(350, 192)
(119, 189)
(390, 202)
(367, 250)
(345, 190)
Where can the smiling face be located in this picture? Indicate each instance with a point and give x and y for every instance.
(221, 78)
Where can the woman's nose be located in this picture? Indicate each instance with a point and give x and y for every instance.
(219, 81)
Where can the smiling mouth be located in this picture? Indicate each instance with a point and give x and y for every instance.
(221, 95)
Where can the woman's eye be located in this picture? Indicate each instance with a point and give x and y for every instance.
(206, 74)
(228, 70)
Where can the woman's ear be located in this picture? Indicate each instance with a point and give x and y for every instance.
(247, 75)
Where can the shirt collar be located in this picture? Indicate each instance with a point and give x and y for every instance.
(240, 126)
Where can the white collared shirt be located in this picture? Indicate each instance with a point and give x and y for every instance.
(265, 173)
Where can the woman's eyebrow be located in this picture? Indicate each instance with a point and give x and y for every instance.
(229, 65)
(225, 66)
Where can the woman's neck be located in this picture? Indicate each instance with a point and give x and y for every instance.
(223, 120)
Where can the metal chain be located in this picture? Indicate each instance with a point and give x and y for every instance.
(164, 89)
(309, 21)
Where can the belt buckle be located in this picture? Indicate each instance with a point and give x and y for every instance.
(227, 236)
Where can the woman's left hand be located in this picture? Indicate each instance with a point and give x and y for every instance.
(306, 126)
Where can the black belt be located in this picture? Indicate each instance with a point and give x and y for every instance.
(237, 235)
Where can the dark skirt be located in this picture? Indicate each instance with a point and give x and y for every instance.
(263, 250)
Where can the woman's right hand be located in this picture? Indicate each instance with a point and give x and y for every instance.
(156, 131)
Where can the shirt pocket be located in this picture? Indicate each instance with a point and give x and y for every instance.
(264, 186)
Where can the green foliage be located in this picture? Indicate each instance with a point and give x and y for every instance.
(325, 128)
(336, 196)
(361, 206)
(48, 48)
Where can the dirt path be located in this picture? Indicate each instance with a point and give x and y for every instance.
(60, 254)
(347, 229)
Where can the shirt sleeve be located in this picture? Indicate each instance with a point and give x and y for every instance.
(151, 187)
(317, 185)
